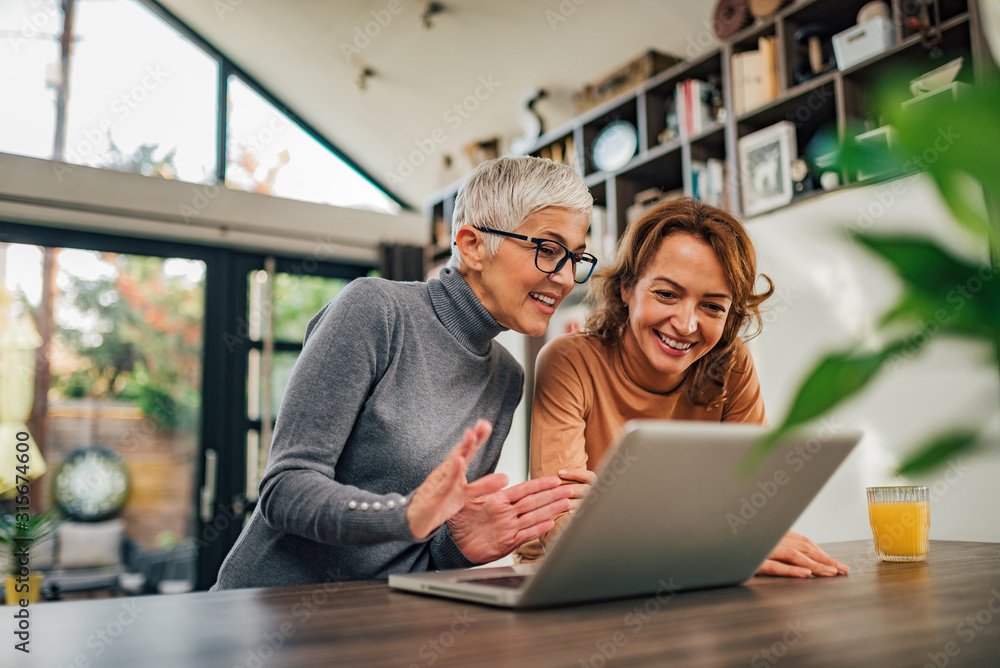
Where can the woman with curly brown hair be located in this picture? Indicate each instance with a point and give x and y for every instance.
(664, 342)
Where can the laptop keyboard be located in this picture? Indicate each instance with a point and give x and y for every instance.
(508, 581)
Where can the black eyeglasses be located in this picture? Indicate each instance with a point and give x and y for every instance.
(551, 256)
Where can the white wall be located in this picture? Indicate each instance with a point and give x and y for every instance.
(830, 293)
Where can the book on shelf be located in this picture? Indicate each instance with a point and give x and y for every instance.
(694, 112)
(708, 181)
(755, 76)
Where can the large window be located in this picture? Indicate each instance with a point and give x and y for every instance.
(28, 56)
(282, 303)
(143, 95)
(116, 414)
(142, 98)
(269, 154)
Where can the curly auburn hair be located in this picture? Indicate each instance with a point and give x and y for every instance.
(636, 250)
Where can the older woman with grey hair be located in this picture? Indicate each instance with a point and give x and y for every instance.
(363, 479)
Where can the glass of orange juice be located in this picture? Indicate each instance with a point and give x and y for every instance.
(901, 522)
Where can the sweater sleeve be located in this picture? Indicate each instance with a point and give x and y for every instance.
(743, 402)
(345, 353)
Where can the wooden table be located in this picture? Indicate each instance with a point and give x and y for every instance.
(942, 612)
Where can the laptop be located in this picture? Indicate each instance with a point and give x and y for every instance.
(673, 509)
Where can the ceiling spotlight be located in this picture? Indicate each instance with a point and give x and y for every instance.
(430, 9)
(364, 74)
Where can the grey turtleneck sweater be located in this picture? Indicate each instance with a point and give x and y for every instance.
(390, 376)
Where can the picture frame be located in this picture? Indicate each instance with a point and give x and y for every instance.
(765, 160)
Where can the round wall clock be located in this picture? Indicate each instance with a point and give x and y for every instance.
(614, 146)
(91, 484)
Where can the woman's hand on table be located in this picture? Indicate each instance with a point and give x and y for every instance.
(446, 490)
(798, 557)
(493, 525)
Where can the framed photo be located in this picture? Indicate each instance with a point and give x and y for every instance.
(765, 160)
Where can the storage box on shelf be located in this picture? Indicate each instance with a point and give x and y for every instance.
(804, 87)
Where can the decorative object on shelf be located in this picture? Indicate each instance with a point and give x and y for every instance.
(729, 17)
(765, 159)
(755, 75)
(614, 146)
(802, 180)
(91, 484)
(829, 180)
(861, 42)
(878, 141)
(647, 198)
(822, 155)
(947, 94)
(481, 151)
(814, 38)
(672, 130)
(761, 9)
(529, 119)
(873, 10)
(919, 21)
(364, 74)
(622, 79)
(427, 14)
(937, 78)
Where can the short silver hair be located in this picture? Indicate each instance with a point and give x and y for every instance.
(502, 193)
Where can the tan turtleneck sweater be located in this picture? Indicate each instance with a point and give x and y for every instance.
(585, 391)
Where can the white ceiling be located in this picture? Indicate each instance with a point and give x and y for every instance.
(294, 48)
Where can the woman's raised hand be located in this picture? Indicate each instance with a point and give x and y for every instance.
(446, 490)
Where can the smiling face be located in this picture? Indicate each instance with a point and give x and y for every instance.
(511, 287)
(677, 309)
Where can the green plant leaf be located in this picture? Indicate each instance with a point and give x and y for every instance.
(938, 451)
(944, 293)
(952, 137)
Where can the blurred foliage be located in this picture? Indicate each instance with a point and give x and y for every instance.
(31, 530)
(296, 300)
(957, 145)
(141, 334)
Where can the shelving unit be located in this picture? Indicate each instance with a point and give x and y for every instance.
(839, 101)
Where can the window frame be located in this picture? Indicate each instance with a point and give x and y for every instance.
(224, 364)
(226, 68)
